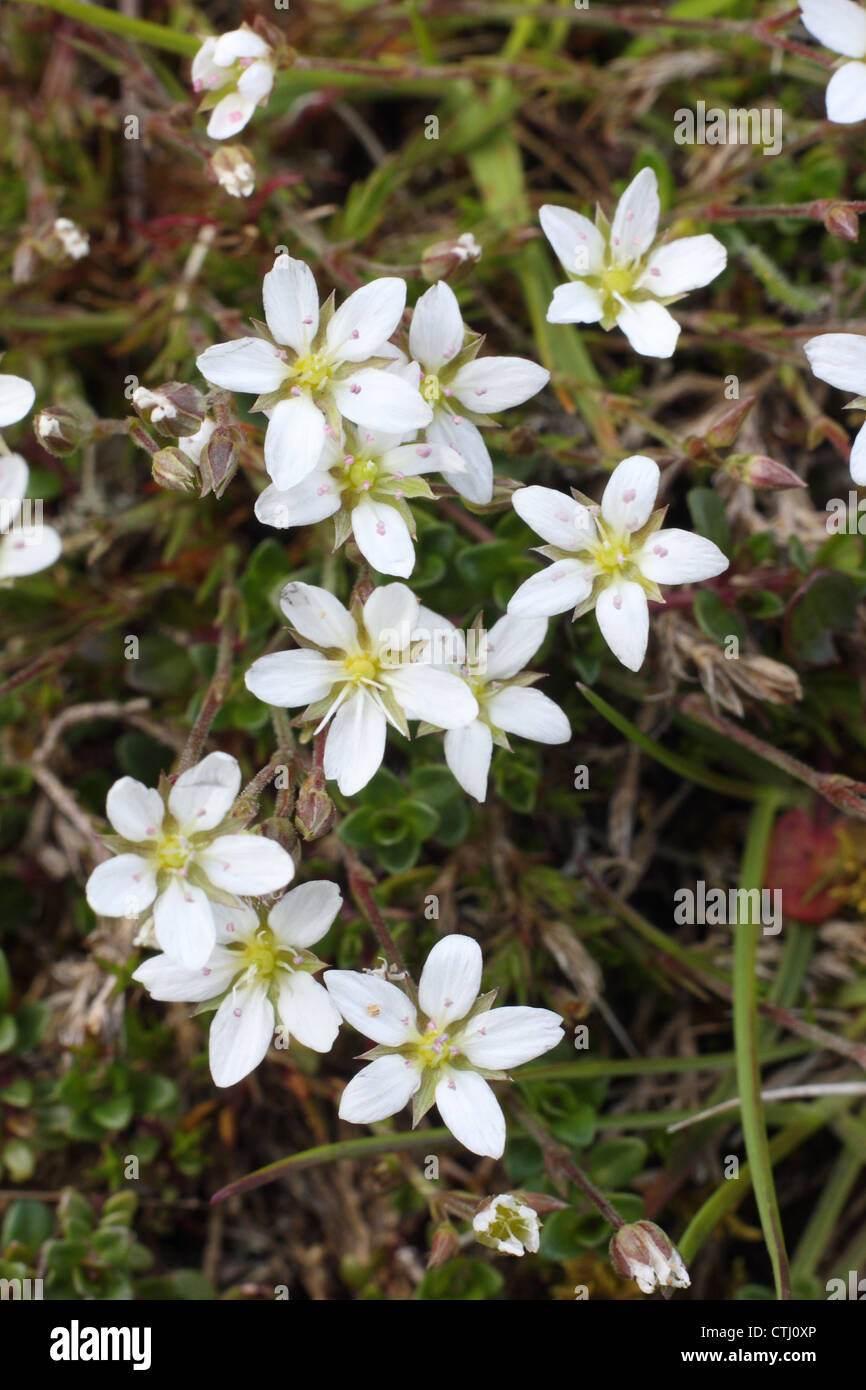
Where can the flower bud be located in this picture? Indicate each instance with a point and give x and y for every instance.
(232, 167)
(218, 458)
(61, 429)
(443, 258)
(174, 409)
(507, 1224)
(643, 1252)
(760, 471)
(444, 1246)
(172, 470)
(842, 221)
(727, 424)
(314, 813)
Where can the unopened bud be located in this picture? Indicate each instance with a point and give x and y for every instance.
(232, 167)
(842, 221)
(314, 813)
(727, 424)
(505, 1223)
(175, 409)
(443, 258)
(760, 471)
(173, 471)
(644, 1253)
(219, 456)
(62, 429)
(444, 1245)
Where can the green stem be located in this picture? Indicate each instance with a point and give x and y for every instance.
(650, 1066)
(157, 35)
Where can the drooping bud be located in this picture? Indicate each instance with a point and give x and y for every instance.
(507, 1224)
(61, 429)
(218, 457)
(760, 471)
(314, 813)
(441, 260)
(642, 1251)
(173, 471)
(728, 423)
(444, 1246)
(232, 167)
(842, 221)
(174, 409)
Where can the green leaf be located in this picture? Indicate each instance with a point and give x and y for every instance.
(709, 516)
(616, 1162)
(113, 1113)
(827, 602)
(28, 1223)
(715, 619)
(463, 1280)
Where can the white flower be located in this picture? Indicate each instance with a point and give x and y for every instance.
(443, 1055)
(74, 241)
(493, 671)
(242, 62)
(179, 855)
(618, 275)
(233, 168)
(610, 558)
(363, 481)
(643, 1252)
(260, 973)
(507, 1225)
(841, 25)
(317, 372)
(465, 392)
(16, 398)
(359, 671)
(192, 444)
(24, 548)
(840, 360)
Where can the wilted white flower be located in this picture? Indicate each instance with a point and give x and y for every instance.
(617, 273)
(611, 558)
(233, 169)
(507, 1225)
(448, 1053)
(641, 1251)
(192, 444)
(74, 241)
(841, 25)
(241, 62)
(465, 391)
(840, 360)
(319, 370)
(25, 548)
(179, 854)
(357, 670)
(259, 977)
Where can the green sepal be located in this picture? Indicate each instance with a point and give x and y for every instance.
(425, 1096)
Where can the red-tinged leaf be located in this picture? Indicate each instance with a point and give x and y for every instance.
(800, 862)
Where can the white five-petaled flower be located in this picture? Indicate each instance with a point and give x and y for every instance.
(16, 398)
(242, 62)
(840, 360)
(319, 369)
(180, 854)
(446, 1054)
(611, 558)
(364, 481)
(359, 670)
(463, 390)
(259, 977)
(841, 25)
(507, 1225)
(25, 547)
(493, 671)
(617, 273)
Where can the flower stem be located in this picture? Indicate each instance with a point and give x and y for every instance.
(559, 1163)
(220, 684)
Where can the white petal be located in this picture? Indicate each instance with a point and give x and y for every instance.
(630, 493)
(288, 679)
(623, 616)
(687, 264)
(522, 710)
(409, 460)
(475, 480)
(468, 752)
(121, 887)
(563, 585)
(184, 925)
(256, 82)
(192, 444)
(203, 66)
(27, 550)
(378, 399)
(238, 43)
(575, 303)
(204, 794)
(306, 1009)
(437, 697)
(511, 643)
(240, 1034)
(14, 474)
(310, 501)
(437, 331)
(491, 384)
(304, 915)
(379, 1090)
(857, 461)
(16, 398)
(229, 116)
(366, 320)
(838, 24)
(556, 517)
(318, 616)
(245, 364)
(846, 94)
(680, 557)
(839, 359)
(636, 219)
(355, 745)
(238, 922)
(383, 538)
(164, 979)
(451, 979)
(650, 329)
(294, 440)
(291, 303)
(503, 1038)
(246, 863)
(135, 811)
(374, 1007)
(390, 617)
(577, 242)
(472, 1113)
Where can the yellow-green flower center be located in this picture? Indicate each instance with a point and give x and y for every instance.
(262, 954)
(173, 851)
(434, 1047)
(611, 554)
(617, 280)
(311, 371)
(361, 667)
(362, 474)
